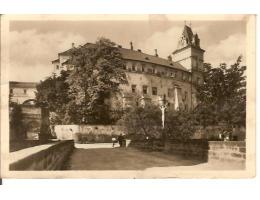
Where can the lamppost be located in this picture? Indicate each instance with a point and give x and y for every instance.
(163, 106)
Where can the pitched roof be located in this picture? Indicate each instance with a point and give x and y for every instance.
(55, 61)
(140, 56)
(68, 52)
(129, 54)
(16, 84)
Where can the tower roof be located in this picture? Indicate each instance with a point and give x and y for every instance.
(187, 33)
(188, 39)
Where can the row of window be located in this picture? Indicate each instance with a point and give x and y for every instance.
(145, 89)
(153, 70)
(12, 91)
(155, 91)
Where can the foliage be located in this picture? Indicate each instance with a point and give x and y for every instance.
(147, 121)
(16, 123)
(142, 120)
(222, 96)
(53, 93)
(179, 125)
(79, 96)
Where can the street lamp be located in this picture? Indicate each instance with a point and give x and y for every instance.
(163, 106)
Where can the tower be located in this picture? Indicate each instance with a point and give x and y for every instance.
(191, 56)
(188, 52)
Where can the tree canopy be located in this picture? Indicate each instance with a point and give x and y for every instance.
(222, 96)
(79, 95)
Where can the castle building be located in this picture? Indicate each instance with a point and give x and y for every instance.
(22, 92)
(152, 78)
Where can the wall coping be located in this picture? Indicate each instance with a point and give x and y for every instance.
(24, 153)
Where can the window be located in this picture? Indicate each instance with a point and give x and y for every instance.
(25, 91)
(57, 67)
(144, 89)
(133, 88)
(173, 74)
(184, 77)
(153, 70)
(11, 91)
(154, 90)
(133, 67)
(170, 92)
(143, 68)
(150, 70)
(185, 96)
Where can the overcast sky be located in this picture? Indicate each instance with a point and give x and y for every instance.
(34, 44)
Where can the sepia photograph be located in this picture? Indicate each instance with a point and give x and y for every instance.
(128, 96)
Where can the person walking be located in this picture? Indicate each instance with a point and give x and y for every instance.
(113, 141)
(120, 140)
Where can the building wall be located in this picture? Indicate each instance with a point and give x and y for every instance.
(57, 66)
(165, 86)
(19, 95)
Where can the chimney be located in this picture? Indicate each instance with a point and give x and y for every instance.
(156, 54)
(139, 50)
(72, 44)
(170, 58)
(131, 45)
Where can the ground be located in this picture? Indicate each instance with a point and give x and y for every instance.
(104, 157)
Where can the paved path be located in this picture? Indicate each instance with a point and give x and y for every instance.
(104, 157)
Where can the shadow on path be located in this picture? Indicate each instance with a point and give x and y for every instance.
(122, 159)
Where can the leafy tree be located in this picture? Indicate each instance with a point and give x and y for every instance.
(144, 121)
(53, 93)
(222, 96)
(79, 95)
(179, 125)
(98, 71)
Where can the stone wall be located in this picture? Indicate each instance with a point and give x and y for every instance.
(231, 151)
(207, 151)
(211, 151)
(69, 132)
(212, 132)
(191, 148)
(51, 158)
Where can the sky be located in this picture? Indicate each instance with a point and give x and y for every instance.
(34, 44)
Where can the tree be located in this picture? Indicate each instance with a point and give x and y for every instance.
(79, 95)
(98, 72)
(180, 125)
(222, 96)
(146, 121)
(53, 94)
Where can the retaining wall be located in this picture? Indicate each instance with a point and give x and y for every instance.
(52, 158)
(231, 151)
(96, 133)
(208, 151)
(211, 151)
